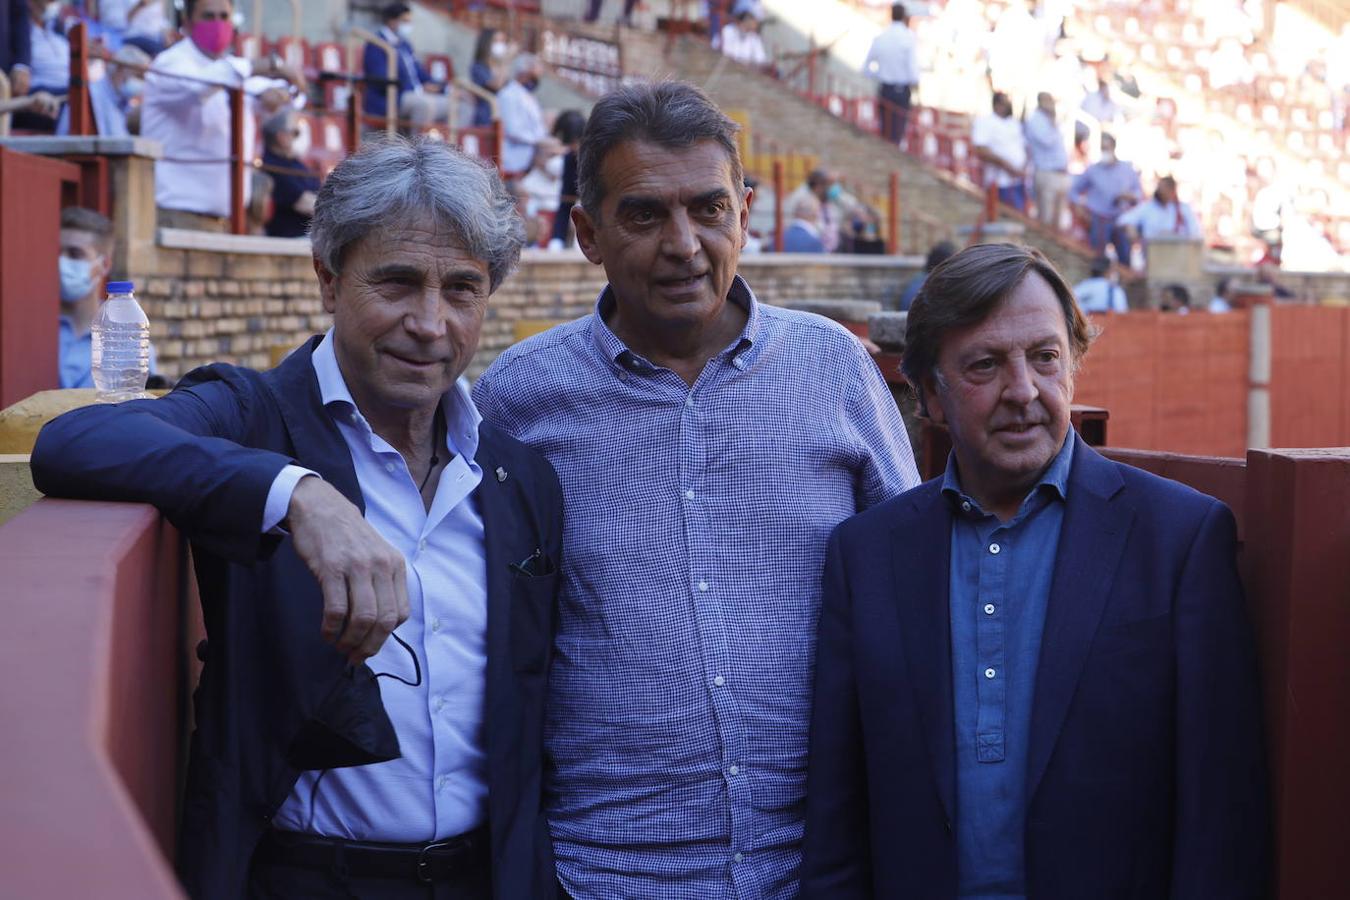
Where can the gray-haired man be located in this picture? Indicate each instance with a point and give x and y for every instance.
(348, 491)
(707, 443)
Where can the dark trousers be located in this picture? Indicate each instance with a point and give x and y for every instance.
(1103, 230)
(280, 881)
(895, 100)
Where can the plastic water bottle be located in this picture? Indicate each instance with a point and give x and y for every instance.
(121, 345)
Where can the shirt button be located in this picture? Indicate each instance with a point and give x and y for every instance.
(734, 770)
(989, 673)
(422, 545)
(719, 681)
(689, 495)
(389, 467)
(441, 782)
(739, 857)
(965, 506)
(440, 704)
(989, 609)
(994, 549)
(689, 401)
(436, 624)
(703, 585)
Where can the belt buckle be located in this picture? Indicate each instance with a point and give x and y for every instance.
(424, 864)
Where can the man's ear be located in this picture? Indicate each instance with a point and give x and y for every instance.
(932, 400)
(745, 215)
(585, 228)
(327, 286)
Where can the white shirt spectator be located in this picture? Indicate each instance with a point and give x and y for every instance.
(192, 122)
(1099, 295)
(51, 58)
(543, 191)
(148, 20)
(1219, 305)
(894, 56)
(1002, 137)
(522, 125)
(1101, 108)
(745, 47)
(1153, 219)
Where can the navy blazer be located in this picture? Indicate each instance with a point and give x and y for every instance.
(15, 36)
(274, 697)
(375, 67)
(1146, 775)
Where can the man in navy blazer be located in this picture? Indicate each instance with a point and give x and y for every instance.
(351, 491)
(1034, 676)
(418, 96)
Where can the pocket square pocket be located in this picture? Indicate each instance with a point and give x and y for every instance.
(535, 565)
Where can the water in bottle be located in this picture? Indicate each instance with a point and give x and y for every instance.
(121, 345)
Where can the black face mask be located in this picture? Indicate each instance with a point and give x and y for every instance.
(531, 84)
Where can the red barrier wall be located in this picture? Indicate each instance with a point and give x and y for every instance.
(1310, 376)
(89, 693)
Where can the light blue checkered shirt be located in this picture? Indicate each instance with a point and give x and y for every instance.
(696, 528)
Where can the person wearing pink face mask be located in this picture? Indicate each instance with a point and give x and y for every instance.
(191, 118)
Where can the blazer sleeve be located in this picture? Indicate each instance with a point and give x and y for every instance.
(837, 860)
(1222, 812)
(180, 453)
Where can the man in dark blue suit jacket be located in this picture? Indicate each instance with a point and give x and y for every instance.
(15, 44)
(307, 777)
(1034, 676)
(414, 81)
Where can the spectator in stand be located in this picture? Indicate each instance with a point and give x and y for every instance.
(294, 187)
(1102, 291)
(741, 41)
(521, 116)
(802, 234)
(1049, 159)
(40, 103)
(1267, 273)
(1163, 215)
(568, 129)
(419, 99)
(191, 119)
(593, 11)
(487, 71)
(86, 258)
(1001, 146)
(893, 62)
(139, 23)
(825, 186)
(543, 184)
(1222, 301)
(1175, 298)
(1100, 194)
(1099, 104)
(937, 255)
(16, 46)
(115, 96)
(1017, 51)
(50, 72)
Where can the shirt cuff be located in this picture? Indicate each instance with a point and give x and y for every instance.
(279, 497)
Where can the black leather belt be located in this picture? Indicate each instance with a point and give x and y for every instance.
(427, 863)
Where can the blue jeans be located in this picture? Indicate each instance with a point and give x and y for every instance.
(1102, 230)
(1014, 196)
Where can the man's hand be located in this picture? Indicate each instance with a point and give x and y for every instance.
(365, 590)
(44, 104)
(20, 79)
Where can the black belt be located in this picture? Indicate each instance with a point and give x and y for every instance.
(427, 863)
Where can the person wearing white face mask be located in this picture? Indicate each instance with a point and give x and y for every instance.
(86, 258)
(542, 186)
(420, 100)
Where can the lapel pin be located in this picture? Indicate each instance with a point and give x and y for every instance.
(501, 474)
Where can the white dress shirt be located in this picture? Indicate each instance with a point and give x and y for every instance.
(1154, 219)
(1003, 137)
(745, 47)
(522, 125)
(894, 56)
(438, 787)
(192, 122)
(1099, 295)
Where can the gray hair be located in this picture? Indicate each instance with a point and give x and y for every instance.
(523, 63)
(390, 180)
(670, 114)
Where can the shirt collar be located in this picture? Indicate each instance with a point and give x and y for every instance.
(461, 416)
(740, 352)
(1055, 479)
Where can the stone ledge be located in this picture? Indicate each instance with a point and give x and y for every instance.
(258, 245)
(51, 145)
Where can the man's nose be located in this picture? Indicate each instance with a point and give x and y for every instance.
(1019, 385)
(678, 238)
(423, 319)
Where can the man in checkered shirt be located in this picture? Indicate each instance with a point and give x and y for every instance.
(707, 444)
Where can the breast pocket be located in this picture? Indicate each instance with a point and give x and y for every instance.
(532, 605)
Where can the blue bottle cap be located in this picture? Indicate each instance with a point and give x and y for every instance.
(121, 287)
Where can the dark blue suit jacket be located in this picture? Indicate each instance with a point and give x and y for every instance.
(1146, 776)
(374, 65)
(15, 36)
(274, 697)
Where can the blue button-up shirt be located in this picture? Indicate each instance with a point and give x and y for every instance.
(696, 527)
(437, 788)
(1099, 186)
(1045, 143)
(75, 354)
(1000, 584)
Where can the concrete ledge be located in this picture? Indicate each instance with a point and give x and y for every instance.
(843, 260)
(51, 145)
(16, 485)
(258, 245)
